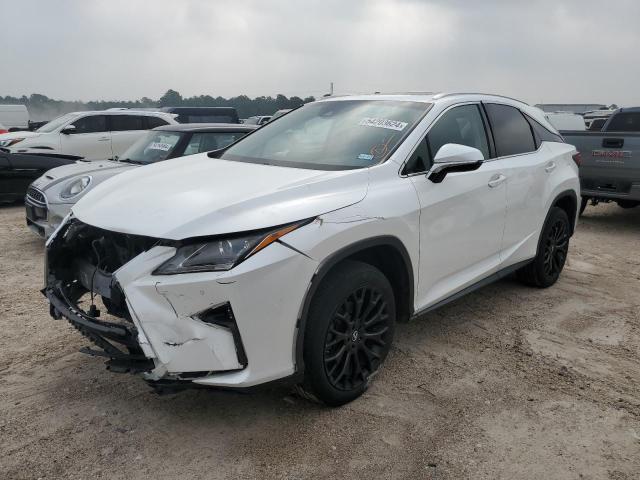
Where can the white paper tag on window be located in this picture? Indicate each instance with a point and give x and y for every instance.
(383, 123)
(159, 146)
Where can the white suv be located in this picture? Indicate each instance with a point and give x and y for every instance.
(90, 135)
(294, 254)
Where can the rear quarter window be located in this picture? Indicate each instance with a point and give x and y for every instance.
(541, 134)
(511, 131)
(153, 122)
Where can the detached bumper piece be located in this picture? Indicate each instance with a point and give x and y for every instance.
(118, 343)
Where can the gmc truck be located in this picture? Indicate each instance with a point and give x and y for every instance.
(610, 168)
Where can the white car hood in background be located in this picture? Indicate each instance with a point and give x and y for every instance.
(19, 134)
(200, 196)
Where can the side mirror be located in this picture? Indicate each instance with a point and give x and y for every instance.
(68, 130)
(453, 157)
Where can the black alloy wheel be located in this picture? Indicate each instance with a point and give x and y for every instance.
(349, 331)
(356, 339)
(553, 247)
(556, 246)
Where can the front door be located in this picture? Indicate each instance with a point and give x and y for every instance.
(462, 218)
(90, 140)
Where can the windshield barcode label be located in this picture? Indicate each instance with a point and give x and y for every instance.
(383, 123)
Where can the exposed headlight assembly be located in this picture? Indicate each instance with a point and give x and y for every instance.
(223, 253)
(9, 142)
(75, 187)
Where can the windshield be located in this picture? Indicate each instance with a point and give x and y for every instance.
(152, 147)
(56, 123)
(334, 135)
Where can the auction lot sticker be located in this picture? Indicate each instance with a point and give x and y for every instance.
(383, 123)
(160, 146)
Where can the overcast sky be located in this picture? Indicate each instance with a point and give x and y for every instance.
(545, 50)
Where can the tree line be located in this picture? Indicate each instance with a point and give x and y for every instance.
(42, 107)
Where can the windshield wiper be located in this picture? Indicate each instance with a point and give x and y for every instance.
(134, 162)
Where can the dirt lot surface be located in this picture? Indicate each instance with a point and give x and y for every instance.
(509, 382)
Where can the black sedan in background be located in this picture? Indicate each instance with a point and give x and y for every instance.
(18, 170)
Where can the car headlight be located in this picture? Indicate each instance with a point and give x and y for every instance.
(222, 254)
(75, 187)
(10, 141)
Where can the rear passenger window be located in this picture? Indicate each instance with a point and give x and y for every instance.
(153, 122)
(462, 125)
(121, 123)
(541, 134)
(624, 122)
(91, 124)
(511, 132)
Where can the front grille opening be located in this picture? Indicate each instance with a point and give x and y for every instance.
(81, 286)
(36, 195)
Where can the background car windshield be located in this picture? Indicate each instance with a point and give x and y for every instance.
(334, 135)
(56, 122)
(208, 141)
(153, 147)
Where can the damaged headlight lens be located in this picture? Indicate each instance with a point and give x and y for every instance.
(221, 254)
(76, 187)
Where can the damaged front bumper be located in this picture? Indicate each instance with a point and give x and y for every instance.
(231, 329)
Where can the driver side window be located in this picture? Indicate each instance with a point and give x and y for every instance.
(462, 125)
(91, 124)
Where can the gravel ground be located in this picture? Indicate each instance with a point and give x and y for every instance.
(509, 382)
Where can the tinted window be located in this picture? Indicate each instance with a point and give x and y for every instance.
(462, 125)
(91, 124)
(542, 134)
(205, 118)
(122, 123)
(624, 122)
(153, 122)
(207, 141)
(420, 161)
(511, 131)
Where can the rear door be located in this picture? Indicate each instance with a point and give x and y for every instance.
(528, 166)
(125, 131)
(91, 139)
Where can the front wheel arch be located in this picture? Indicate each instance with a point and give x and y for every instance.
(359, 251)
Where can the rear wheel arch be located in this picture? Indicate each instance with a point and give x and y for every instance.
(388, 254)
(567, 201)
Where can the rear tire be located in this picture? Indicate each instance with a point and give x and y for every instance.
(349, 331)
(553, 247)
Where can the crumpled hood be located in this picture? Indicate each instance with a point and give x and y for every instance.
(200, 196)
(64, 172)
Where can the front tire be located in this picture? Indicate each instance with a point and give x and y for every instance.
(553, 247)
(349, 331)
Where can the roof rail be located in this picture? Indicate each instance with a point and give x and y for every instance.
(451, 94)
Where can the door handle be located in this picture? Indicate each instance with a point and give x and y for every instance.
(551, 166)
(103, 139)
(496, 180)
(613, 143)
